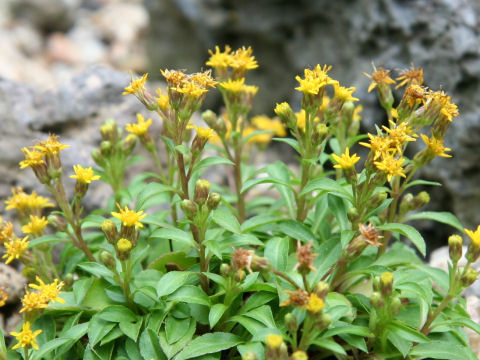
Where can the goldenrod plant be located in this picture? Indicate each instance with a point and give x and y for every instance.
(327, 264)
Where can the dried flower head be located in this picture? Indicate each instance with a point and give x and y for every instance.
(379, 76)
(242, 258)
(411, 76)
(299, 298)
(370, 235)
(305, 257)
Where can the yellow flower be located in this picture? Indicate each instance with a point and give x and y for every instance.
(474, 235)
(174, 77)
(274, 341)
(36, 225)
(344, 93)
(3, 297)
(129, 217)
(124, 245)
(51, 146)
(26, 337)
(315, 304)
(238, 86)
(391, 166)
(399, 134)
(356, 112)
(141, 127)
(32, 158)
(443, 102)
(22, 201)
(84, 175)
(314, 80)
(263, 122)
(220, 60)
(6, 231)
(283, 109)
(50, 291)
(33, 301)
(15, 248)
(163, 101)
(345, 161)
(412, 76)
(379, 76)
(261, 139)
(136, 85)
(436, 146)
(379, 145)
(203, 132)
(415, 94)
(242, 60)
(194, 85)
(301, 118)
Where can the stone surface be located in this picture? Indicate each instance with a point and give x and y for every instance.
(473, 308)
(12, 282)
(442, 36)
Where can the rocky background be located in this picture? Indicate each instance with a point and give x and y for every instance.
(64, 64)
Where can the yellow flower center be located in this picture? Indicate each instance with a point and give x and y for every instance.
(129, 217)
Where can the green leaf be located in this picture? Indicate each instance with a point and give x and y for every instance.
(339, 210)
(440, 350)
(257, 221)
(326, 185)
(279, 171)
(211, 161)
(348, 329)
(172, 281)
(191, 295)
(423, 182)
(98, 329)
(117, 313)
(262, 314)
(216, 312)
(153, 191)
(296, 230)
(256, 300)
(132, 350)
(92, 221)
(131, 329)
(406, 332)
(330, 345)
(328, 254)
(171, 350)
(276, 250)
(225, 219)
(208, 344)
(48, 348)
(97, 269)
(443, 217)
(48, 239)
(460, 322)
(400, 343)
(176, 328)
(150, 346)
(263, 180)
(183, 237)
(408, 231)
(251, 325)
(292, 142)
(355, 341)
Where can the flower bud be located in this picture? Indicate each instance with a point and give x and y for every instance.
(98, 158)
(124, 245)
(285, 113)
(110, 230)
(378, 199)
(213, 201)
(322, 289)
(386, 284)
(469, 277)
(299, 355)
(68, 280)
(276, 348)
(376, 300)
(352, 215)
(291, 323)
(240, 275)
(202, 188)
(455, 247)
(107, 259)
(109, 130)
(325, 320)
(250, 355)
(210, 118)
(225, 269)
(58, 222)
(105, 147)
(188, 207)
(395, 305)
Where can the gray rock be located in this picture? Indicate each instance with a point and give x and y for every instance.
(12, 282)
(440, 35)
